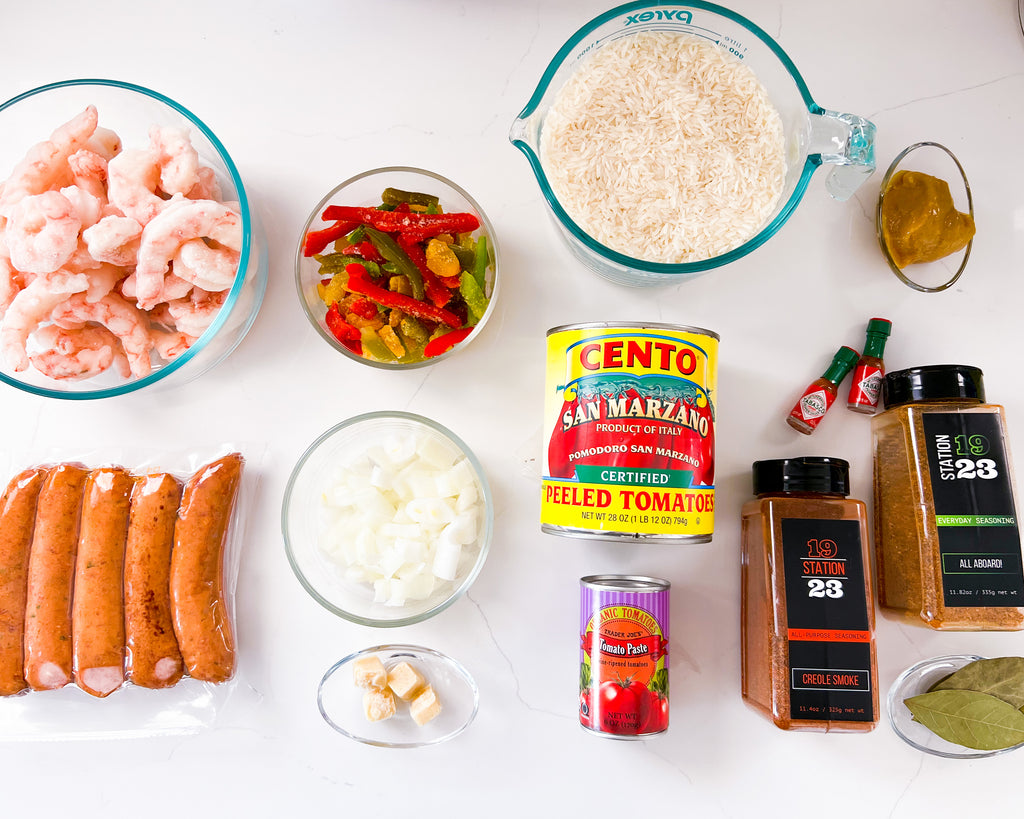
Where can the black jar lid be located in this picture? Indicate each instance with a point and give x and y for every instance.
(937, 382)
(808, 474)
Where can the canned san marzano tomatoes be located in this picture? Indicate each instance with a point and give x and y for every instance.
(624, 655)
(629, 417)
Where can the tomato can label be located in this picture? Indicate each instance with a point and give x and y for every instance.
(629, 424)
(624, 655)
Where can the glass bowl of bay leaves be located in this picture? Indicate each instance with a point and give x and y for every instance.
(960, 706)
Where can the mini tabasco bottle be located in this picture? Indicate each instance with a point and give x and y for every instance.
(821, 393)
(866, 387)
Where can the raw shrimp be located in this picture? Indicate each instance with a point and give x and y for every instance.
(207, 187)
(119, 316)
(76, 354)
(104, 142)
(11, 282)
(30, 307)
(182, 220)
(194, 314)
(88, 207)
(132, 180)
(173, 288)
(209, 268)
(45, 166)
(103, 279)
(169, 344)
(114, 239)
(177, 158)
(42, 233)
(89, 170)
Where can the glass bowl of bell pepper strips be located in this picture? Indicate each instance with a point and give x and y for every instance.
(397, 267)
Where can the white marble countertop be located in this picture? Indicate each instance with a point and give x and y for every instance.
(307, 94)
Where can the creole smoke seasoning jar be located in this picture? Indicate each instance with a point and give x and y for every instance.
(946, 537)
(807, 639)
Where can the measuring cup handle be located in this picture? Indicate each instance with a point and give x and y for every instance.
(847, 142)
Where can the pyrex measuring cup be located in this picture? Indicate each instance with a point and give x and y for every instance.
(813, 135)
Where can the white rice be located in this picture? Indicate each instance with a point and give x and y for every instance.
(666, 148)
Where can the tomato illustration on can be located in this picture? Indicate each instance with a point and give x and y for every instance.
(624, 655)
(630, 420)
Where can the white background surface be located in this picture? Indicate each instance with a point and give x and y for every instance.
(304, 95)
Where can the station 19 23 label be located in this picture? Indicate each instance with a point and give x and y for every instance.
(979, 540)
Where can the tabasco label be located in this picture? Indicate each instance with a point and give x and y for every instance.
(630, 432)
(866, 387)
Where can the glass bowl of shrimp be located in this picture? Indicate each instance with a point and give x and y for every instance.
(397, 268)
(130, 255)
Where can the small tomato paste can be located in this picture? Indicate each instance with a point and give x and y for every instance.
(629, 425)
(624, 655)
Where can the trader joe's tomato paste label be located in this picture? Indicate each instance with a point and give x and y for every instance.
(624, 654)
(630, 426)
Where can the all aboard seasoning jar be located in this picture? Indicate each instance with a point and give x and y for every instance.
(947, 542)
(624, 655)
(629, 420)
(807, 621)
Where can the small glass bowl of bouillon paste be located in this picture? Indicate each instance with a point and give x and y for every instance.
(927, 677)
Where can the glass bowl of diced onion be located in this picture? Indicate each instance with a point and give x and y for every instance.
(387, 519)
(387, 338)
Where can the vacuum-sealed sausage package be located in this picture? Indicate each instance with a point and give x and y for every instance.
(117, 590)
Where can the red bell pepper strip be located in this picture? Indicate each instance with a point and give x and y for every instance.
(343, 331)
(317, 240)
(365, 249)
(443, 344)
(418, 226)
(435, 291)
(364, 307)
(359, 282)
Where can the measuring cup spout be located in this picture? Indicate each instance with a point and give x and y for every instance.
(847, 142)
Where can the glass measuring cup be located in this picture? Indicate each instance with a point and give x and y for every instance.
(813, 135)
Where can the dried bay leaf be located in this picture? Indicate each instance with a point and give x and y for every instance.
(969, 718)
(1002, 677)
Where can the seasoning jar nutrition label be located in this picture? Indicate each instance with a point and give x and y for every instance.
(808, 645)
(947, 542)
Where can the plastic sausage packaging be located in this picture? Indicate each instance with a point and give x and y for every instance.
(110, 577)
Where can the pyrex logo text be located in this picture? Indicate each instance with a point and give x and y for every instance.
(660, 14)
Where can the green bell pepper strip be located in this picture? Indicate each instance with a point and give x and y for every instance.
(476, 301)
(389, 249)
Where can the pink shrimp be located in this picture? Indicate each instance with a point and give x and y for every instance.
(194, 314)
(172, 288)
(31, 306)
(182, 220)
(120, 317)
(104, 142)
(177, 158)
(114, 239)
(45, 166)
(103, 279)
(89, 171)
(11, 283)
(132, 180)
(207, 187)
(42, 233)
(76, 354)
(209, 268)
(169, 344)
(89, 208)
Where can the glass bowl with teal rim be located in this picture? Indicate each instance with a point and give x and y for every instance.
(387, 519)
(812, 135)
(177, 339)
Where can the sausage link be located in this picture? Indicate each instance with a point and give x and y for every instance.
(154, 660)
(17, 521)
(97, 611)
(51, 572)
(201, 618)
